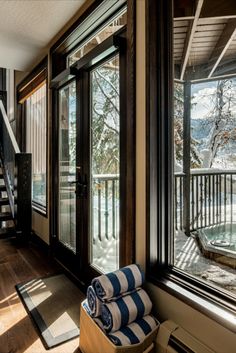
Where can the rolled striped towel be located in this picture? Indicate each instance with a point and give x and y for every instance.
(95, 319)
(125, 310)
(115, 283)
(134, 332)
(94, 303)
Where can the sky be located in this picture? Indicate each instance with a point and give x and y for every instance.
(202, 94)
(204, 104)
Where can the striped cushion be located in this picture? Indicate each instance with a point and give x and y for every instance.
(134, 332)
(125, 310)
(115, 283)
(94, 303)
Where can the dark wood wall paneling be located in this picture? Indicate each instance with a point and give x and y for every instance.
(128, 214)
(32, 80)
(159, 131)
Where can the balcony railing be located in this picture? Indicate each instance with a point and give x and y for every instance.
(105, 203)
(212, 198)
(105, 207)
(16, 168)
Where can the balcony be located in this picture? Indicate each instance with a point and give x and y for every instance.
(212, 199)
(205, 240)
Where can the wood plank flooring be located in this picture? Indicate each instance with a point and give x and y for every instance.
(17, 333)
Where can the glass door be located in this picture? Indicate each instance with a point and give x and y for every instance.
(66, 225)
(88, 183)
(105, 165)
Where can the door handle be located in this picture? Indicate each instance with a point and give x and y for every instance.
(77, 182)
(81, 188)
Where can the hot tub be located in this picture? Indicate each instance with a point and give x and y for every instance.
(218, 242)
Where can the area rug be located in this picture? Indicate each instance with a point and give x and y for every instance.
(54, 305)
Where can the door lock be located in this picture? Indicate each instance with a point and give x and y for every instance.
(81, 188)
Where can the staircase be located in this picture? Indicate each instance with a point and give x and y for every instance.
(7, 228)
(15, 183)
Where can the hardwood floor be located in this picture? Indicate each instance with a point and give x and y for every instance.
(17, 333)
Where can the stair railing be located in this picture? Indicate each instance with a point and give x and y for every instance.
(16, 168)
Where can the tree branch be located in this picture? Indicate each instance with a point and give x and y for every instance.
(105, 79)
(104, 93)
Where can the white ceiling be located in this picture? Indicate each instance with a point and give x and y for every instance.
(28, 26)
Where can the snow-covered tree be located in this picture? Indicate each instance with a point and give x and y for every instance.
(105, 120)
(220, 119)
(178, 125)
(178, 132)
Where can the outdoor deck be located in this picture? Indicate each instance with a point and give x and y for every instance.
(189, 258)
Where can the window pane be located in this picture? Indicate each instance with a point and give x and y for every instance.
(105, 165)
(67, 166)
(204, 146)
(108, 30)
(36, 142)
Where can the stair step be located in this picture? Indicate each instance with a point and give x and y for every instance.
(1, 175)
(6, 232)
(4, 201)
(5, 216)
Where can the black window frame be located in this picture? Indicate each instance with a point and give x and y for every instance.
(209, 300)
(95, 17)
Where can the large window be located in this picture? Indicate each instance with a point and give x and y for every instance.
(32, 130)
(36, 143)
(204, 207)
(112, 26)
(191, 150)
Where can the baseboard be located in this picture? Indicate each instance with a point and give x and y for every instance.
(40, 242)
(71, 276)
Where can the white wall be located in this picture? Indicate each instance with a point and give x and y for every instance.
(166, 306)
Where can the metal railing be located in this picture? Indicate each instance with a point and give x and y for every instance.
(212, 198)
(105, 207)
(16, 167)
(105, 203)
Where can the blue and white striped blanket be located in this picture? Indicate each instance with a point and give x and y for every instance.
(125, 310)
(115, 283)
(95, 319)
(94, 303)
(134, 332)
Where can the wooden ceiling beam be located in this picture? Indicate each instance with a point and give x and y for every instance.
(199, 73)
(218, 8)
(222, 45)
(185, 9)
(189, 38)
